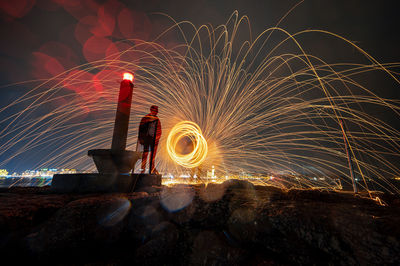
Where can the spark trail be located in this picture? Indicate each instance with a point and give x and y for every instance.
(264, 105)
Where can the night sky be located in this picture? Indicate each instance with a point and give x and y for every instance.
(28, 25)
(63, 34)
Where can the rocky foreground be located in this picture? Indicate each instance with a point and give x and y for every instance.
(234, 223)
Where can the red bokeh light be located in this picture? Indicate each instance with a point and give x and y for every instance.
(95, 48)
(17, 8)
(80, 82)
(105, 23)
(79, 8)
(83, 29)
(52, 59)
(45, 66)
(63, 53)
(134, 25)
(105, 82)
(126, 23)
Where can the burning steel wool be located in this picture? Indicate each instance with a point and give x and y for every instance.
(249, 106)
(187, 129)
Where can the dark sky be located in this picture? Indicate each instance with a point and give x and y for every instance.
(57, 32)
(28, 25)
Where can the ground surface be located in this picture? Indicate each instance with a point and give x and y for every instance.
(234, 223)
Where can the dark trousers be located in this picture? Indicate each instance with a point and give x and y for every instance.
(146, 151)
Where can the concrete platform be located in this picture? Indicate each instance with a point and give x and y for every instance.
(93, 183)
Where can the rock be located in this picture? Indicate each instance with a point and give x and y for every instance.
(143, 218)
(82, 226)
(232, 223)
(160, 249)
(210, 248)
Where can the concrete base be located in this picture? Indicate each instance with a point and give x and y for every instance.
(114, 162)
(93, 183)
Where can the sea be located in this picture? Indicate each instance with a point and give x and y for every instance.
(7, 182)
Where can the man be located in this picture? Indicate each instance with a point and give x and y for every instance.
(149, 136)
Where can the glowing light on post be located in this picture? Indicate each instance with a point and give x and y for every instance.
(128, 76)
(121, 123)
(187, 129)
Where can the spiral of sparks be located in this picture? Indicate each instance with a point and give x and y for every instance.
(265, 105)
(192, 131)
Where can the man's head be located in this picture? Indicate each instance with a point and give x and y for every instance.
(154, 109)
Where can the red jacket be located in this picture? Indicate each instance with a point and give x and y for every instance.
(150, 127)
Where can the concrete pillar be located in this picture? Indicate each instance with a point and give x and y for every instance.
(123, 112)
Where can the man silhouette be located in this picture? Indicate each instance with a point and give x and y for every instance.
(149, 136)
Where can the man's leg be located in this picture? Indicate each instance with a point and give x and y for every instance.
(144, 158)
(153, 155)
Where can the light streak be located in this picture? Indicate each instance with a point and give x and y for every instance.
(262, 104)
(192, 131)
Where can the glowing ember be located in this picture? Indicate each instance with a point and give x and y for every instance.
(192, 131)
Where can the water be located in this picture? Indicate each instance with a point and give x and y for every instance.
(25, 182)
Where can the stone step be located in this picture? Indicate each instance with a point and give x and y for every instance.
(95, 182)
